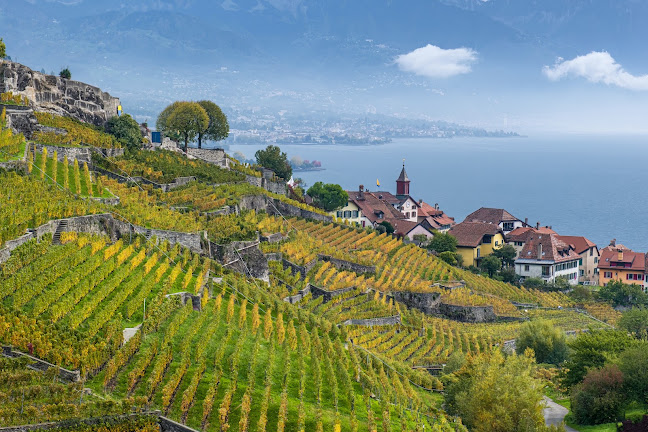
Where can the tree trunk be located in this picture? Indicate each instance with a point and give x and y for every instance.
(186, 149)
(199, 140)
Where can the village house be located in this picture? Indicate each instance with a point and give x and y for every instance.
(619, 263)
(547, 257)
(500, 217)
(476, 240)
(589, 258)
(438, 220)
(518, 237)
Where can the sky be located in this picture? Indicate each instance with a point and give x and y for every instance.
(521, 65)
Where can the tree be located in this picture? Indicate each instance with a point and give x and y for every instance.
(594, 349)
(3, 49)
(547, 342)
(581, 294)
(328, 196)
(65, 73)
(449, 257)
(633, 362)
(507, 254)
(600, 398)
(186, 119)
(276, 160)
(161, 123)
(126, 130)
(620, 294)
(443, 242)
(218, 128)
(490, 264)
(635, 321)
(496, 393)
(389, 228)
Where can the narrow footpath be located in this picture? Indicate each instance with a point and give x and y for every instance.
(554, 414)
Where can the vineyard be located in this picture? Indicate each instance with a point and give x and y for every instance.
(70, 175)
(12, 146)
(163, 166)
(78, 133)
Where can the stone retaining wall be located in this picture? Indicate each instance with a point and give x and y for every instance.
(165, 424)
(243, 256)
(275, 256)
(328, 295)
(10, 245)
(216, 156)
(425, 302)
(294, 268)
(392, 320)
(176, 183)
(187, 297)
(274, 238)
(168, 425)
(299, 296)
(82, 154)
(471, 314)
(42, 365)
(347, 265)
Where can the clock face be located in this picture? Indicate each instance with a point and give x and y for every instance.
(407, 204)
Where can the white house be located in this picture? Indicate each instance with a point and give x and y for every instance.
(547, 257)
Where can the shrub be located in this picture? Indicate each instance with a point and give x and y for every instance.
(600, 398)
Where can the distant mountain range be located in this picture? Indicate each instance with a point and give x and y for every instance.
(336, 54)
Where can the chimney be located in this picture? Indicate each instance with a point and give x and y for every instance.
(361, 192)
(526, 221)
(539, 250)
(620, 255)
(613, 242)
(537, 225)
(436, 206)
(420, 201)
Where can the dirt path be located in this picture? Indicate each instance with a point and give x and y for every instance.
(554, 414)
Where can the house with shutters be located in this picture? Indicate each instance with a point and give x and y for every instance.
(476, 240)
(619, 263)
(589, 258)
(547, 257)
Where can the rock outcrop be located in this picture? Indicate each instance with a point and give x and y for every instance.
(57, 95)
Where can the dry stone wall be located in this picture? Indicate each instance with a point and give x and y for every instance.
(392, 320)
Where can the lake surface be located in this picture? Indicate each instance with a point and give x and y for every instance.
(594, 186)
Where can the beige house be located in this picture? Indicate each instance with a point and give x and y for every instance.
(589, 258)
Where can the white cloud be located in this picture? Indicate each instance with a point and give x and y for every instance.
(434, 62)
(596, 67)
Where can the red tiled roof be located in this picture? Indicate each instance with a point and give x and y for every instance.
(635, 261)
(553, 249)
(470, 234)
(520, 234)
(491, 215)
(371, 206)
(580, 244)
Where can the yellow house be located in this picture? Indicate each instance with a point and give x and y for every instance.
(476, 240)
(352, 213)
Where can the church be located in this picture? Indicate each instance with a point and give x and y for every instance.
(401, 212)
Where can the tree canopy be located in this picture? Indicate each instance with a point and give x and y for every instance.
(3, 49)
(273, 158)
(633, 362)
(443, 242)
(635, 321)
(547, 342)
(183, 120)
(126, 130)
(328, 196)
(218, 128)
(507, 254)
(65, 73)
(490, 264)
(621, 294)
(496, 393)
(600, 398)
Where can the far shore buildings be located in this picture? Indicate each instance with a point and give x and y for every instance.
(408, 217)
(619, 263)
(476, 240)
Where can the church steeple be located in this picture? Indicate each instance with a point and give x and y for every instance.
(402, 183)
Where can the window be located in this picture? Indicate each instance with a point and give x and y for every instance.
(354, 213)
(591, 251)
(526, 267)
(595, 260)
(347, 213)
(607, 274)
(407, 214)
(507, 226)
(413, 214)
(546, 270)
(339, 213)
(478, 252)
(487, 239)
(496, 243)
(580, 262)
(582, 272)
(518, 243)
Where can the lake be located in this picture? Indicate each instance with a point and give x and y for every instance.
(594, 186)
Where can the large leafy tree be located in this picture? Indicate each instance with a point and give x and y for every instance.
(3, 49)
(633, 363)
(621, 294)
(273, 158)
(507, 254)
(126, 130)
(443, 242)
(218, 128)
(635, 321)
(184, 119)
(594, 349)
(600, 398)
(547, 342)
(328, 196)
(162, 120)
(490, 264)
(496, 393)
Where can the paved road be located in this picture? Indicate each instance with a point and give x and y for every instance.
(554, 414)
